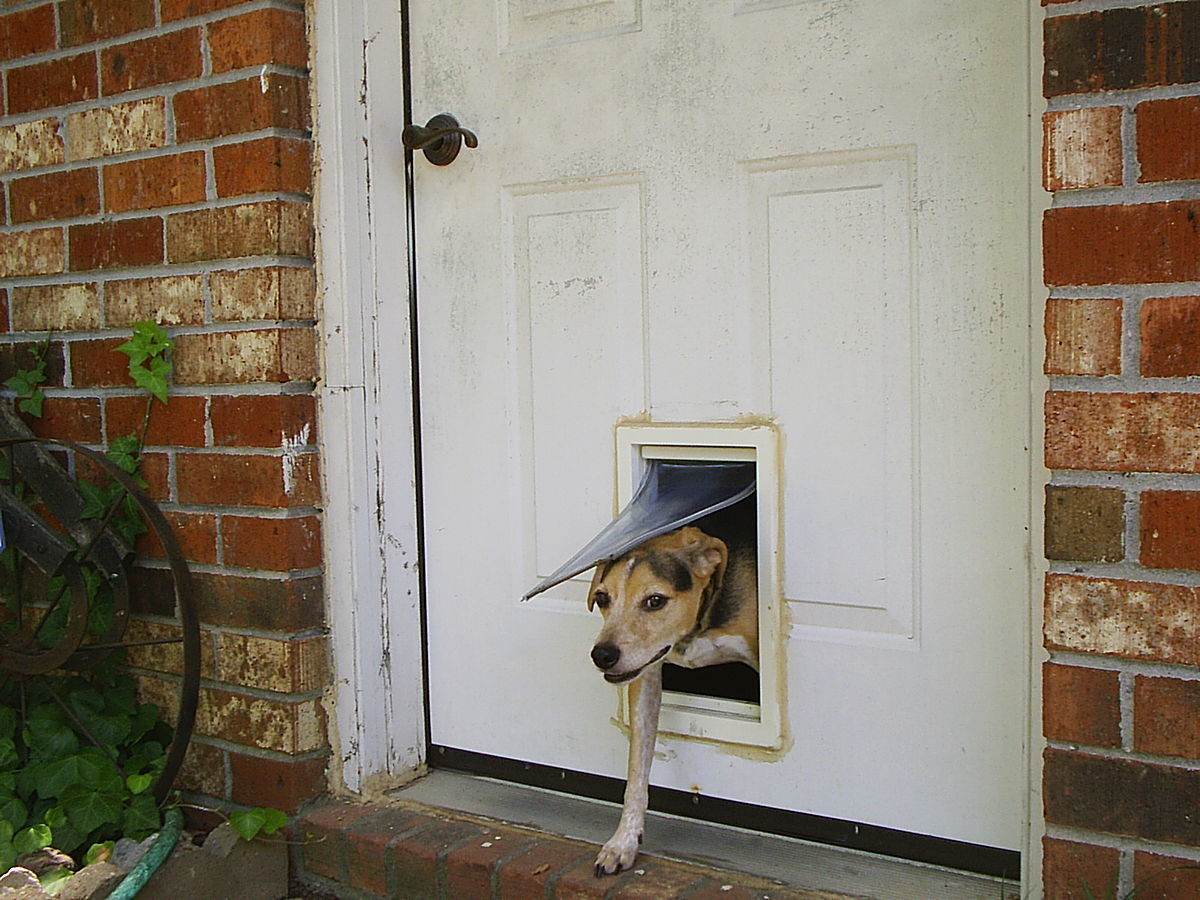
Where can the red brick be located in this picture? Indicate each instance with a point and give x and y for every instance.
(96, 363)
(653, 880)
(1165, 877)
(241, 106)
(55, 82)
(256, 420)
(416, 857)
(4, 324)
(196, 534)
(320, 839)
(1119, 432)
(257, 38)
(1170, 336)
(159, 59)
(580, 882)
(156, 181)
(1081, 705)
(182, 9)
(236, 479)
(1166, 716)
(528, 874)
(1083, 336)
(1081, 148)
(124, 242)
(368, 846)
(1170, 529)
(1068, 865)
(1134, 619)
(1168, 139)
(178, 423)
(85, 21)
(265, 164)
(1148, 242)
(469, 866)
(27, 31)
(1122, 796)
(68, 418)
(21, 356)
(59, 195)
(276, 783)
(278, 545)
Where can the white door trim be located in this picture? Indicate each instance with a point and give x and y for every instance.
(377, 720)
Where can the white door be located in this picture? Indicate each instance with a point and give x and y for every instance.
(808, 212)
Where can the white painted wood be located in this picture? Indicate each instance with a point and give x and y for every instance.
(370, 519)
(656, 223)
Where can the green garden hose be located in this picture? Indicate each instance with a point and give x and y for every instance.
(167, 838)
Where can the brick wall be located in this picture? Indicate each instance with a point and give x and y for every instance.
(1122, 597)
(155, 163)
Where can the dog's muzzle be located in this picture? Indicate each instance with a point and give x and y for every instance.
(607, 655)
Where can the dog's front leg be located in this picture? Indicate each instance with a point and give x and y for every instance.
(645, 698)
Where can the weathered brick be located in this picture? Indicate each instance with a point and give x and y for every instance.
(1122, 48)
(27, 31)
(416, 857)
(1081, 705)
(1119, 432)
(1122, 796)
(263, 164)
(26, 145)
(256, 420)
(277, 545)
(169, 300)
(1166, 877)
(1170, 328)
(1083, 336)
(158, 59)
(1170, 529)
(269, 292)
(1085, 523)
(245, 357)
(97, 362)
(58, 195)
(287, 726)
(257, 38)
(68, 418)
(1069, 865)
(268, 228)
(1134, 619)
(84, 21)
(1081, 148)
(113, 244)
(279, 604)
(179, 423)
(276, 783)
(119, 128)
(167, 658)
(55, 82)
(1168, 139)
(579, 882)
(287, 667)
(369, 857)
(155, 181)
(1166, 716)
(37, 252)
(656, 879)
(196, 534)
(269, 101)
(469, 866)
(182, 9)
(321, 845)
(238, 479)
(203, 769)
(61, 307)
(1145, 242)
(528, 874)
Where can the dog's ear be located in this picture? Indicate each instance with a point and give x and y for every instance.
(596, 579)
(706, 555)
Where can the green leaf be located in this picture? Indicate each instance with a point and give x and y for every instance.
(249, 823)
(8, 753)
(49, 738)
(89, 809)
(8, 855)
(90, 768)
(32, 404)
(125, 451)
(139, 783)
(13, 810)
(33, 838)
(8, 722)
(55, 880)
(141, 818)
(97, 852)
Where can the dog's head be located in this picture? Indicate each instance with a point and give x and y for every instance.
(652, 597)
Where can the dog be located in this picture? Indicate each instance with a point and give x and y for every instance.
(684, 597)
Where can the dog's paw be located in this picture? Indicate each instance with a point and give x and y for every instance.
(618, 854)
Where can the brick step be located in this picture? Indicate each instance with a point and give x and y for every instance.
(407, 850)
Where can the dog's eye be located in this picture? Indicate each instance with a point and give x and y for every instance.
(601, 599)
(654, 601)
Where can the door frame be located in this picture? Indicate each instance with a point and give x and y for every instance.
(372, 527)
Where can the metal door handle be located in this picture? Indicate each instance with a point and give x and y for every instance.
(440, 138)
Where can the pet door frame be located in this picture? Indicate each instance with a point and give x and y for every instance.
(759, 724)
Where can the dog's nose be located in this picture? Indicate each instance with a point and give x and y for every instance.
(605, 656)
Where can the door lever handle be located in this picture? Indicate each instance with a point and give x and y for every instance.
(440, 138)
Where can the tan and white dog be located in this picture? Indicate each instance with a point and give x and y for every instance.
(683, 597)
